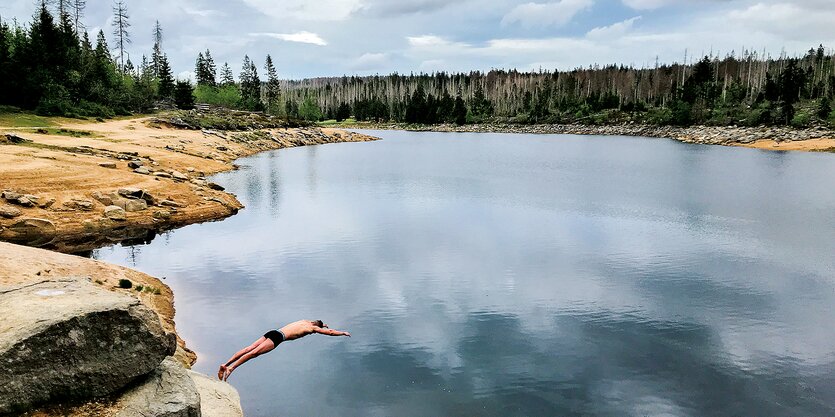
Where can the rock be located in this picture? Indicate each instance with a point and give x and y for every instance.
(30, 231)
(13, 138)
(162, 215)
(216, 187)
(47, 203)
(130, 192)
(79, 204)
(115, 213)
(172, 203)
(70, 339)
(9, 212)
(11, 195)
(161, 174)
(179, 176)
(24, 201)
(135, 164)
(105, 199)
(143, 171)
(135, 205)
(167, 392)
(110, 165)
(217, 399)
(222, 148)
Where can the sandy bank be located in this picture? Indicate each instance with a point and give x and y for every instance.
(70, 181)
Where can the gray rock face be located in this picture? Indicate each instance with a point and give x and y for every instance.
(143, 171)
(179, 176)
(70, 339)
(131, 192)
(79, 204)
(217, 399)
(134, 205)
(167, 392)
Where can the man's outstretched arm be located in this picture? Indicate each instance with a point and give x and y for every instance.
(330, 332)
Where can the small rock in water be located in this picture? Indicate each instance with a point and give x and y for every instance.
(216, 187)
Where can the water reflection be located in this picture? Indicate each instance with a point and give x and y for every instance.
(518, 275)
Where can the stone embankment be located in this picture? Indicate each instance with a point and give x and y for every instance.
(708, 135)
(127, 179)
(79, 343)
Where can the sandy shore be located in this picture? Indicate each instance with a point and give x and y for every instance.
(72, 177)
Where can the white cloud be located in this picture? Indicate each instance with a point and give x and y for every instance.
(321, 10)
(201, 13)
(613, 32)
(546, 14)
(647, 4)
(300, 37)
(370, 61)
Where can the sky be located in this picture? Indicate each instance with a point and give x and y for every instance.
(346, 37)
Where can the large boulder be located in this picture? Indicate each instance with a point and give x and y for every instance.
(217, 398)
(70, 339)
(29, 231)
(168, 392)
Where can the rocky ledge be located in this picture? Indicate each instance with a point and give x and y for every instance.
(81, 344)
(709, 135)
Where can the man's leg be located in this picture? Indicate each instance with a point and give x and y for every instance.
(266, 346)
(222, 371)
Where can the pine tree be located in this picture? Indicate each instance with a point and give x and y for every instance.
(166, 78)
(77, 13)
(120, 30)
(460, 109)
(156, 55)
(226, 76)
(250, 85)
(272, 91)
(184, 95)
(211, 69)
(200, 69)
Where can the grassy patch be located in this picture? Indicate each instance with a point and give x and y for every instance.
(13, 117)
(334, 123)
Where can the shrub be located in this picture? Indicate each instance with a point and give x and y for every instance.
(125, 283)
(801, 119)
(139, 288)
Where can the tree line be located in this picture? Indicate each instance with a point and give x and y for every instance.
(750, 89)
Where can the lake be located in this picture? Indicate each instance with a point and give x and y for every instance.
(516, 275)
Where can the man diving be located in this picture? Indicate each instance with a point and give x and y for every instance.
(273, 338)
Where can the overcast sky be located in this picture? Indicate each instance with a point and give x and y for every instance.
(309, 38)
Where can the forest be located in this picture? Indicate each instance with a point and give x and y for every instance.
(750, 89)
(52, 67)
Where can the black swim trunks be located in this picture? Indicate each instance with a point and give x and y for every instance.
(277, 336)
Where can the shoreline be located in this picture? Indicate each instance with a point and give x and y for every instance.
(778, 138)
(126, 179)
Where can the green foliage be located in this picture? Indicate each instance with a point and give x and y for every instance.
(801, 119)
(227, 95)
(310, 111)
(138, 288)
(125, 284)
(184, 95)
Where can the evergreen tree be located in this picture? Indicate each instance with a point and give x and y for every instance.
(460, 109)
(120, 30)
(210, 68)
(226, 76)
(77, 14)
(166, 78)
(184, 95)
(272, 90)
(250, 86)
(200, 70)
(156, 55)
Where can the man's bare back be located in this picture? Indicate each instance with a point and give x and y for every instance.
(273, 338)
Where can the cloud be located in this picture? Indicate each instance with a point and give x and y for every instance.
(647, 4)
(388, 8)
(300, 37)
(546, 14)
(613, 31)
(201, 13)
(370, 61)
(321, 10)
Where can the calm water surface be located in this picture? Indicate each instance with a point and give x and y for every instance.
(505, 275)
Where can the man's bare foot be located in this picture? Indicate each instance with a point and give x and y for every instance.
(221, 372)
(226, 373)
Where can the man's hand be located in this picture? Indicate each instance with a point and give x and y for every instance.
(302, 328)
